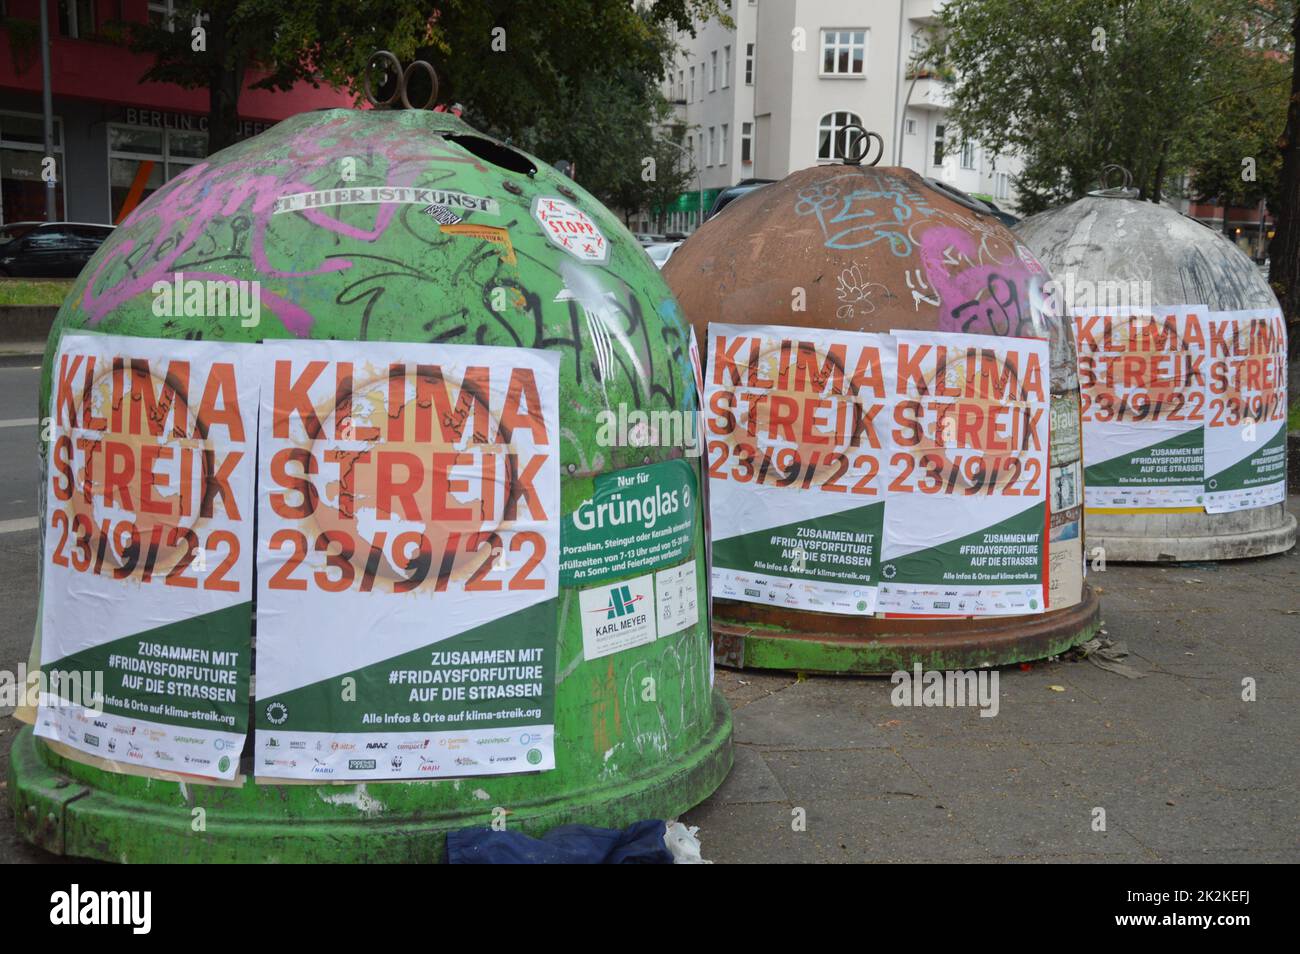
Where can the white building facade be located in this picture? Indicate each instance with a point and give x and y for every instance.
(771, 96)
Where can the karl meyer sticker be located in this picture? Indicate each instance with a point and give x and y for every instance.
(570, 228)
(617, 617)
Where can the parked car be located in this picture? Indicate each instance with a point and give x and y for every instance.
(732, 193)
(661, 252)
(1003, 216)
(648, 238)
(50, 249)
(12, 230)
(976, 202)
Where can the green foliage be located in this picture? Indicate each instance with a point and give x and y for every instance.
(1243, 124)
(22, 291)
(1073, 85)
(611, 124)
(24, 42)
(553, 48)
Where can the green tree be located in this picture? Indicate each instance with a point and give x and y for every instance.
(509, 62)
(1236, 162)
(1284, 250)
(1072, 85)
(676, 171)
(610, 125)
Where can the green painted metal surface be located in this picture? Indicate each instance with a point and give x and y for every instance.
(394, 272)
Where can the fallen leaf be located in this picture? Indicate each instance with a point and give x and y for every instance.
(1057, 688)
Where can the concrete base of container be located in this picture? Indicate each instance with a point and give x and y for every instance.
(746, 636)
(69, 808)
(1180, 537)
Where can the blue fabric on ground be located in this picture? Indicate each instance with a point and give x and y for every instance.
(638, 844)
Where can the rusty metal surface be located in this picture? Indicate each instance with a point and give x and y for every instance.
(870, 250)
(873, 249)
(821, 642)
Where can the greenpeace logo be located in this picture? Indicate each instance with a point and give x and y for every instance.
(77, 907)
(361, 765)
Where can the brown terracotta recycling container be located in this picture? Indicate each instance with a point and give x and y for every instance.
(846, 248)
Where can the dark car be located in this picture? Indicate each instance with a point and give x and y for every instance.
(731, 193)
(12, 230)
(1002, 215)
(980, 204)
(50, 249)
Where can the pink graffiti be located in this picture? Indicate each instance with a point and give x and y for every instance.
(975, 297)
(186, 208)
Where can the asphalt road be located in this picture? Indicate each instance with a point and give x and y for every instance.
(19, 433)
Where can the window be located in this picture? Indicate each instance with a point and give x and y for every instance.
(76, 18)
(691, 98)
(938, 145)
(749, 64)
(141, 159)
(681, 84)
(164, 12)
(968, 155)
(722, 145)
(713, 146)
(713, 71)
(726, 66)
(844, 52)
(918, 42)
(22, 149)
(830, 133)
(1002, 186)
(746, 143)
(910, 127)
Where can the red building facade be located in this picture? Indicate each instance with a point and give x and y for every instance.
(1249, 228)
(117, 138)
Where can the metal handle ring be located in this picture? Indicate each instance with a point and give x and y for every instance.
(1125, 190)
(396, 71)
(433, 80)
(861, 147)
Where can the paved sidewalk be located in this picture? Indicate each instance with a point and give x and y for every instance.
(1185, 770)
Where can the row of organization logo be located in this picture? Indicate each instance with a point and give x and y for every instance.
(151, 744)
(443, 756)
(797, 594)
(975, 600)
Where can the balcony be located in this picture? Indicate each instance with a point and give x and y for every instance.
(930, 92)
(924, 11)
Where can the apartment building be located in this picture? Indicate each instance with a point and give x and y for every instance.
(774, 93)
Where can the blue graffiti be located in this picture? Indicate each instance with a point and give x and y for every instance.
(861, 216)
